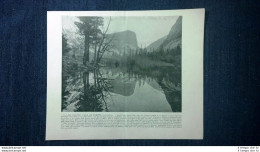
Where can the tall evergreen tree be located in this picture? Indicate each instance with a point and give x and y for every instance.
(65, 47)
(90, 28)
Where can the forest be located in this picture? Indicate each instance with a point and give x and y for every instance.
(100, 69)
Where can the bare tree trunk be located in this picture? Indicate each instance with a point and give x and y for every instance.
(86, 83)
(95, 54)
(100, 46)
(74, 53)
(95, 47)
(95, 79)
(86, 51)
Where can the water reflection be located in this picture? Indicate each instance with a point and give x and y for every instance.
(120, 89)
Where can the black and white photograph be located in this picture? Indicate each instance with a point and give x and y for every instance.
(121, 64)
(134, 73)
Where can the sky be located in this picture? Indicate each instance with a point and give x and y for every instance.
(147, 28)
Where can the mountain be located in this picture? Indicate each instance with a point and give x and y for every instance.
(123, 42)
(155, 45)
(172, 40)
(174, 37)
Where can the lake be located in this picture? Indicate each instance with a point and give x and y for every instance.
(117, 89)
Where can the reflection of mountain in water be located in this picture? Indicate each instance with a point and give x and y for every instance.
(116, 90)
(154, 84)
(132, 80)
(122, 86)
(144, 99)
(164, 80)
(172, 94)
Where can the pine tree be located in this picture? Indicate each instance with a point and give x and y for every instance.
(90, 28)
(65, 48)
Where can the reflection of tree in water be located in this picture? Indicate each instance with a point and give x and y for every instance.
(168, 79)
(93, 96)
(93, 88)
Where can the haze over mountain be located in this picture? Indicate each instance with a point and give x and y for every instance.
(155, 45)
(123, 41)
(172, 40)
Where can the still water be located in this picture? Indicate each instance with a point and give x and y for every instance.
(123, 90)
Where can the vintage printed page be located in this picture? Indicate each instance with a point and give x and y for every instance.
(125, 74)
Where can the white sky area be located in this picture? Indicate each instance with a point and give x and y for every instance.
(147, 28)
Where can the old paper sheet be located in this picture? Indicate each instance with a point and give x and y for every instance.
(125, 74)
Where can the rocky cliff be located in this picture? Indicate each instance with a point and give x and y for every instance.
(172, 40)
(124, 41)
